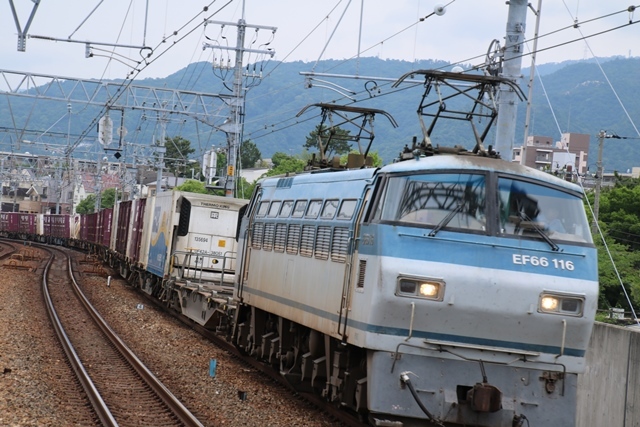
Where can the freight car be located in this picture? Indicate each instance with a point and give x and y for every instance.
(181, 248)
(18, 225)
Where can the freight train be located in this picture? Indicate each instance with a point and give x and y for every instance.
(446, 289)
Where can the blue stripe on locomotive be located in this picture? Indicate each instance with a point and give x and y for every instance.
(404, 332)
(473, 250)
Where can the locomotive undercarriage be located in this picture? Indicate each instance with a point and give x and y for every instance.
(310, 360)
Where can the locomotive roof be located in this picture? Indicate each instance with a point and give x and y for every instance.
(323, 176)
(444, 162)
(438, 162)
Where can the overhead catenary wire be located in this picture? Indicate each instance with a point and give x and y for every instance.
(593, 214)
(615, 93)
(131, 77)
(467, 60)
(167, 38)
(613, 264)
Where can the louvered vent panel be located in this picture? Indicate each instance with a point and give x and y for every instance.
(323, 240)
(307, 240)
(362, 268)
(267, 243)
(281, 237)
(293, 237)
(339, 244)
(256, 238)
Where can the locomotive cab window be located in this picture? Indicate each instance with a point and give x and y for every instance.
(263, 208)
(275, 208)
(287, 206)
(329, 210)
(299, 208)
(537, 211)
(439, 200)
(314, 209)
(347, 209)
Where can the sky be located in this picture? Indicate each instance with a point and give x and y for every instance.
(306, 31)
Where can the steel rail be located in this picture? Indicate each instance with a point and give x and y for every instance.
(172, 402)
(98, 404)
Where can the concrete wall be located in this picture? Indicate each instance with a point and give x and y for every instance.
(609, 389)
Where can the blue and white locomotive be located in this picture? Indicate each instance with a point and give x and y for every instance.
(435, 290)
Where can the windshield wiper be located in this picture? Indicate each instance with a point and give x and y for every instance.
(446, 220)
(532, 225)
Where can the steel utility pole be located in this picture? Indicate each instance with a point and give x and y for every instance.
(512, 64)
(596, 204)
(234, 123)
(532, 72)
(161, 149)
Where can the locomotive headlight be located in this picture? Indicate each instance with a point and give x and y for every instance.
(429, 289)
(420, 287)
(571, 305)
(548, 303)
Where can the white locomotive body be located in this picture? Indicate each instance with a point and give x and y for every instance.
(443, 272)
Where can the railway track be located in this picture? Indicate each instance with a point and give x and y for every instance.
(339, 416)
(122, 391)
(6, 249)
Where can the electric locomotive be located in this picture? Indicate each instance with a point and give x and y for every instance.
(432, 289)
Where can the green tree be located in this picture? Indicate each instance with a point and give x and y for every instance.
(176, 156)
(612, 292)
(249, 154)
(87, 205)
(244, 189)
(221, 164)
(619, 222)
(620, 211)
(193, 186)
(337, 138)
(283, 164)
(108, 198)
(278, 158)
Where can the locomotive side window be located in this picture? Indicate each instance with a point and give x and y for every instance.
(298, 210)
(262, 210)
(347, 209)
(287, 206)
(533, 210)
(314, 209)
(452, 200)
(275, 208)
(329, 210)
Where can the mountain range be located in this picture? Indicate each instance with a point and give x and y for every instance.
(573, 96)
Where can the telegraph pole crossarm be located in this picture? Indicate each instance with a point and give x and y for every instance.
(233, 124)
(599, 175)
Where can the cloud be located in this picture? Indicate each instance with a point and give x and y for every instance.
(306, 31)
